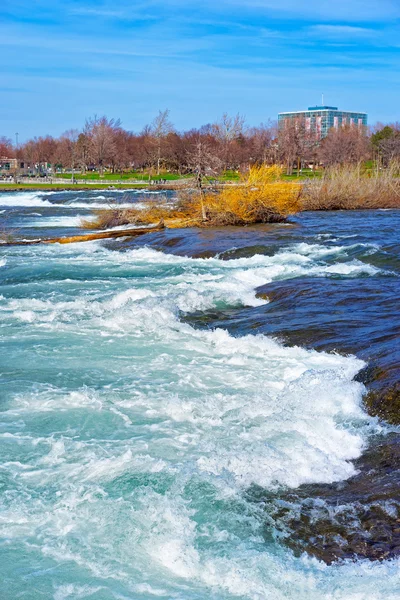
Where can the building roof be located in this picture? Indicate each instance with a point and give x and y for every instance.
(321, 109)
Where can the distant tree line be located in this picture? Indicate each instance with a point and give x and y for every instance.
(228, 144)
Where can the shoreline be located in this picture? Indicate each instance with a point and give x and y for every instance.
(106, 187)
(62, 187)
(10, 188)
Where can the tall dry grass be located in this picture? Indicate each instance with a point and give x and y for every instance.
(351, 188)
(185, 212)
(115, 215)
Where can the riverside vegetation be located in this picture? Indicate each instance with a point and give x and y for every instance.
(262, 197)
(353, 187)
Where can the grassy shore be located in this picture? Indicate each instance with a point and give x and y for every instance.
(57, 187)
(138, 180)
(128, 176)
(339, 188)
(132, 185)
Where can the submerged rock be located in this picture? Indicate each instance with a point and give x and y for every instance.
(384, 404)
(357, 518)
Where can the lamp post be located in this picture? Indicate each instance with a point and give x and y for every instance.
(16, 156)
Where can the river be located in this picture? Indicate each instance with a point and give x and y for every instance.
(182, 414)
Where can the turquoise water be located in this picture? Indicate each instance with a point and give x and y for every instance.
(129, 438)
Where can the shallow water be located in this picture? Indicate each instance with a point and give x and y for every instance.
(150, 430)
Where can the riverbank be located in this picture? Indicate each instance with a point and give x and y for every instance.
(60, 187)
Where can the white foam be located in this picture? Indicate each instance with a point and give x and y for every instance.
(39, 199)
(25, 199)
(107, 204)
(252, 377)
(71, 591)
(65, 221)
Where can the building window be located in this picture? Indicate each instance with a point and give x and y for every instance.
(319, 126)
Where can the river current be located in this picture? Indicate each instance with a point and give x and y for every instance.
(164, 399)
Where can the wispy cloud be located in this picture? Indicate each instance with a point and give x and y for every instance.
(97, 12)
(341, 31)
(345, 10)
(252, 56)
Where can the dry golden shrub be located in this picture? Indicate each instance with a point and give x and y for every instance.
(262, 198)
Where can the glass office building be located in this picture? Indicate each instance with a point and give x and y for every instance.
(320, 119)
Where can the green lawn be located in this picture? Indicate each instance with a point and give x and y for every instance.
(305, 174)
(11, 187)
(229, 176)
(133, 175)
(130, 180)
(234, 176)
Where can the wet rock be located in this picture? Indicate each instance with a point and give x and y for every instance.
(370, 373)
(384, 404)
(357, 518)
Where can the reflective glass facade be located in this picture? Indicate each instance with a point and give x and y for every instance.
(320, 119)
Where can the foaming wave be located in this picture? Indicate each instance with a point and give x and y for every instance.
(38, 199)
(99, 205)
(182, 284)
(249, 387)
(25, 199)
(65, 221)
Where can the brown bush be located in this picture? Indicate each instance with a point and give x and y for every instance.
(351, 188)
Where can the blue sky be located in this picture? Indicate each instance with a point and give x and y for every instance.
(63, 61)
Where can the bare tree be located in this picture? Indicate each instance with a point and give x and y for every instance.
(347, 145)
(202, 162)
(288, 143)
(228, 128)
(6, 148)
(101, 132)
(68, 150)
(83, 151)
(159, 129)
(228, 132)
(262, 143)
(40, 152)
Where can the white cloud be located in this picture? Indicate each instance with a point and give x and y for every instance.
(340, 10)
(97, 12)
(341, 31)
